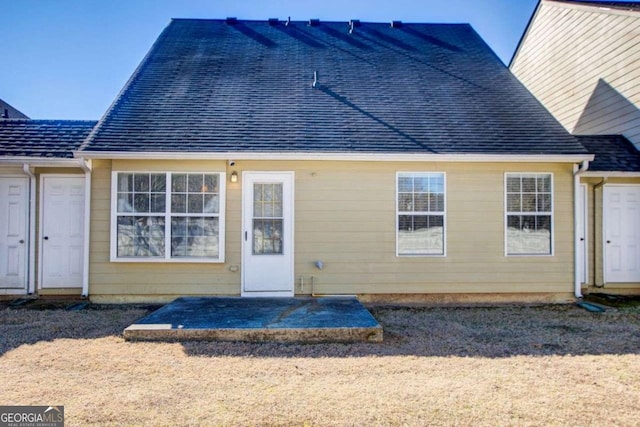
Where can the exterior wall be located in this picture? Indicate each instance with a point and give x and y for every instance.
(583, 64)
(595, 252)
(345, 216)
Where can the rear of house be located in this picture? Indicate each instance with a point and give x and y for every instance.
(580, 59)
(268, 158)
(262, 158)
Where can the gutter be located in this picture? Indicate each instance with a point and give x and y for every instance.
(86, 167)
(26, 168)
(577, 171)
(335, 156)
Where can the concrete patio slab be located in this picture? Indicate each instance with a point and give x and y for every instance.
(328, 319)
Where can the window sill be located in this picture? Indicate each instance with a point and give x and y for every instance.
(169, 261)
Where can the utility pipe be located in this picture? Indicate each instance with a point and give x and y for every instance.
(86, 167)
(577, 171)
(32, 229)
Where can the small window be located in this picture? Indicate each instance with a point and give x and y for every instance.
(420, 208)
(168, 216)
(529, 213)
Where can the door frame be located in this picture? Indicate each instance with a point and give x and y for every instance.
(40, 234)
(28, 241)
(583, 213)
(245, 228)
(604, 228)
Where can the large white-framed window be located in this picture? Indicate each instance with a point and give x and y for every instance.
(529, 214)
(167, 216)
(420, 213)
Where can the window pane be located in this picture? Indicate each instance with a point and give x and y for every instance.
(513, 203)
(141, 202)
(405, 202)
(179, 183)
(513, 184)
(195, 183)
(194, 203)
(267, 236)
(141, 182)
(420, 235)
(125, 182)
(267, 200)
(421, 201)
(528, 184)
(125, 202)
(544, 184)
(405, 184)
(544, 202)
(528, 202)
(421, 184)
(179, 203)
(210, 183)
(140, 236)
(158, 203)
(158, 183)
(211, 203)
(436, 183)
(528, 234)
(436, 203)
(194, 237)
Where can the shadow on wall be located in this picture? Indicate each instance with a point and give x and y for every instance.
(609, 112)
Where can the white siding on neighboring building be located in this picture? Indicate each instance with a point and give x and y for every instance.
(583, 64)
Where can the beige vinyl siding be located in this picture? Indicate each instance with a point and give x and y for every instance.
(583, 64)
(345, 216)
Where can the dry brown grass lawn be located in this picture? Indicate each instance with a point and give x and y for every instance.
(552, 365)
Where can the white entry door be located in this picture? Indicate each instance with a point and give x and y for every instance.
(14, 220)
(622, 233)
(62, 231)
(267, 239)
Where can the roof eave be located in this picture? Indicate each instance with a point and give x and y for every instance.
(336, 156)
(610, 174)
(39, 161)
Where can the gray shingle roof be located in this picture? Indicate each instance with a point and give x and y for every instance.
(42, 138)
(211, 86)
(9, 112)
(613, 153)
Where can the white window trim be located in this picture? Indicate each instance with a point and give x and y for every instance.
(551, 213)
(444, 214)
(167, 258)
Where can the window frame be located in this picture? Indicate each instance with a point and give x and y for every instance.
(443, 213)
(167, 215)
(550, 214)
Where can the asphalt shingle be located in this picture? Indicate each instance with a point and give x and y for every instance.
(613, 153)
(42, 138)
(213, 86)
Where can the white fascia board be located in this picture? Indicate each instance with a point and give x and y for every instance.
(39, 162)
(593, 7)
(611, 174)
(362, 157)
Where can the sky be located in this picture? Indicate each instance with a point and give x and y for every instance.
(68, 59)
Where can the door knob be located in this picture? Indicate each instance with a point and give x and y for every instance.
(21, 241)
(46, 237)
(608, 241)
